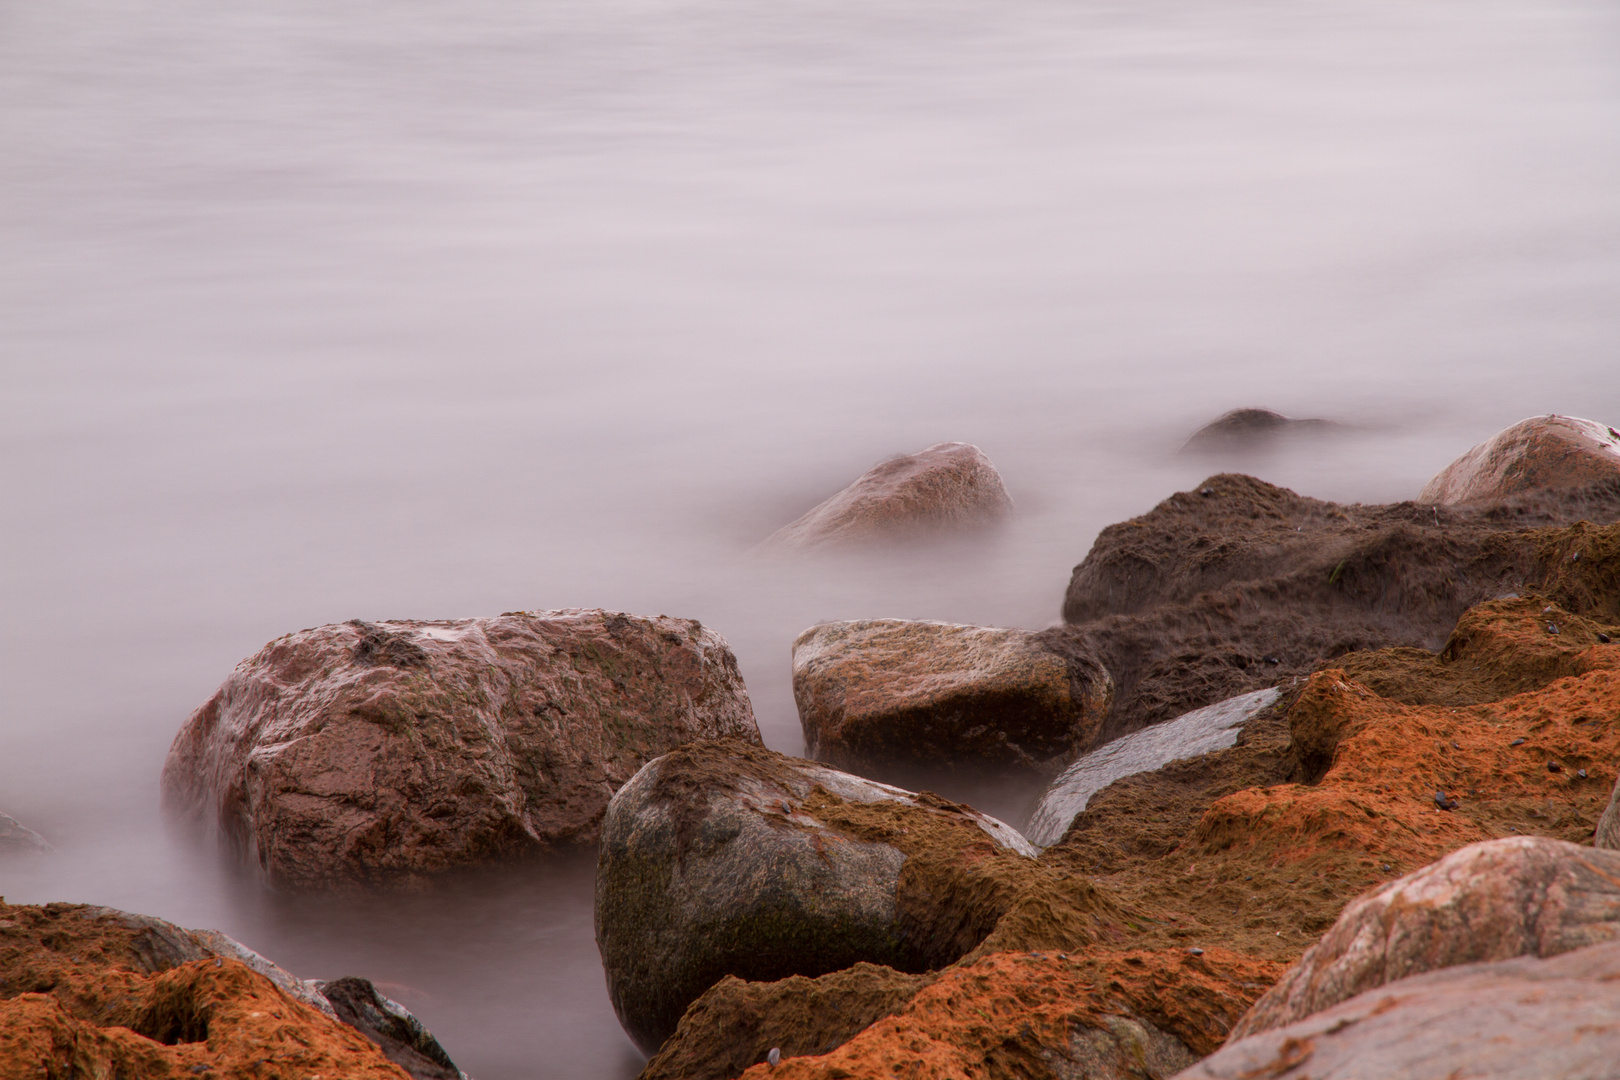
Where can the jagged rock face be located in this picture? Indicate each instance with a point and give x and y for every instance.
(1543, 453)
(388, 752)
(91, 991)
(1249, 429)
(1518, 896)
(887, 691)
(948, 487)
(727, 859)
(1213, 727)
(1522, 1019)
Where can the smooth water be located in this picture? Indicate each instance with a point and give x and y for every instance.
(312, 311)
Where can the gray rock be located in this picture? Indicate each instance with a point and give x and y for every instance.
(1249, 429)
(1521, 1019)
(1517, 896)
(1118, 1048)
(1213, 727)
(17, 838)
(1608, 827)
(401, 1036)
(727, 859)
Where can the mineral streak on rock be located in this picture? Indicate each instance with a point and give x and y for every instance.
(388, 752)
(1249, 429)
(882, 691)
(1543, 453)
(1213, 727)
(1517, 896)
(948, 487)
(1521, 1019)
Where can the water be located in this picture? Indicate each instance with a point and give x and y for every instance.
(313, 311)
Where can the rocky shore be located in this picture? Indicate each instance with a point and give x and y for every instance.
(1319, 784)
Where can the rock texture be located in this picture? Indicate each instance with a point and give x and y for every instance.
(17, 838)
(1523, 1019)
(882, 691)
(88, 991)
(1607, 835)
(948, 487)
(1519, 896)
(1543, 453)
(1249, 429)
(1213, 727)
(386, 752)
(727, 859)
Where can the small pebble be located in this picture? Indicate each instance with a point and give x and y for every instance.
(1444, 801)
(1195, 951)
(1552, 628)
(1455, 745)
(1386, 868)
(1207, 491)
(774, 1057)
(1516, 742)
(1271, 660)
(1581, 773)
(1603, 638)
(1553, 766)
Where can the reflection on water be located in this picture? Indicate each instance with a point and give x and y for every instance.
(311, 312)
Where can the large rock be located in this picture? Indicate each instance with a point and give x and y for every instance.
(1543, 453)
(883, 691)
(1518, 896)
(133, 995)
(1213, 727)
(1522, 1019)
(1249, 429)
(15, 837)
(727, 859)
(377, 753)
(1607, 834)
(948, 487)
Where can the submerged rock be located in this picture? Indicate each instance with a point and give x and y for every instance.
(728, 859)
(883, 691)
(948, 487)
(1543, 453)
(385, 752)
(15, 837)
(1517, 896)
(1522, 1019)
(1248, 429)
(1213, 727)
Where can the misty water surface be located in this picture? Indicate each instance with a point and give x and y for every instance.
(315, 311)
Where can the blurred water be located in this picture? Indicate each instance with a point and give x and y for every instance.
(313, 311)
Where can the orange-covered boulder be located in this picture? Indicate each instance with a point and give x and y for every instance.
(1543, 453)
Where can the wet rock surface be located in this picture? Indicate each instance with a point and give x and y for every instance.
(883, 691)
(383, 753)
(948, 487)
(1543, 453)
(1523, 1019)
(90, 991)
(401, 1036)
(17, 838)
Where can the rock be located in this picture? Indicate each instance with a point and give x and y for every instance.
(1518, 896)
(1522, 1019)
(1213, 727)
(17, 838)
(1543, 453)
(400, 1036)
(727, 859)
(1248, 429)
(884, 691)
(384, 753)
(948, 487)
(132, 995)
(1607, 834)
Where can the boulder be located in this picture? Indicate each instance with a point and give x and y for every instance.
(1249, 429)
(1518, 896)
(1543, 453)
(886, 691)
(948, 487)
(727, 859)
(137, 996)
(386, 752)
(1213, 727)
(1607, 834)
(17, 838)
(1521, 1019)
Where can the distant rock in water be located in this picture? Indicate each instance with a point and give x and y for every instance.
(723, 858)
(885, 691)
(385, 752)
(1543, 453)
(1248, 429)
(948, 487)
(136, 996)
(1213, 727)
(15, 837)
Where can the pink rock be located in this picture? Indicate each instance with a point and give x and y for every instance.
(1539, 454)
(361, 752)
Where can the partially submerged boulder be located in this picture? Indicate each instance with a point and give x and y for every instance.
(1213, 727)
(17, 838)
(1249, 429)
(1516, 896)
(885, 691)
(1521, 1019)
(947, 487)
(1543, 453)
(387, 752)
(728, 859)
